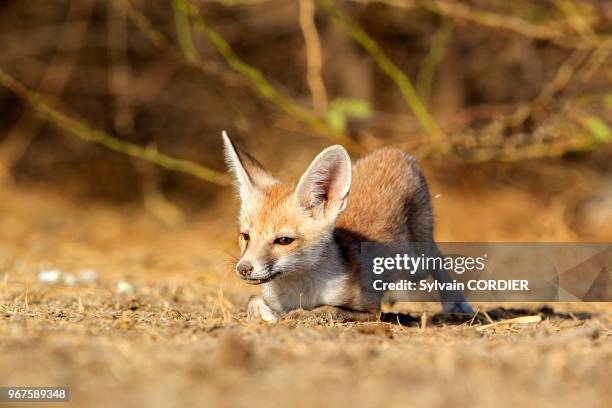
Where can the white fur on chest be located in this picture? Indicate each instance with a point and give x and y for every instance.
(308, 290)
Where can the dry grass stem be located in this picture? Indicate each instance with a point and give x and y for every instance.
(509, 322)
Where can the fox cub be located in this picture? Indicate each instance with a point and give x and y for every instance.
(301, 242)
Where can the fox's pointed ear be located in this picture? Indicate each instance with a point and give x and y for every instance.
(324, 187)
(250, 176)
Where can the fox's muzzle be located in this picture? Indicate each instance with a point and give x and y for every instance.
(245, 271)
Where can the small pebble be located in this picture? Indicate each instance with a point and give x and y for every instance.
(49, 276)
(125, 287)
(69, 279)
(88, 275)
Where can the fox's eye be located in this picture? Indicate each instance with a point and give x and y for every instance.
(283, 241)
(244, 236)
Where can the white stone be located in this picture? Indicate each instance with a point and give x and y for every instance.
(88, 275)
(49, 276)
(124, 287)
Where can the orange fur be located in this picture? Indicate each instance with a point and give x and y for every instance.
(304, 240)
(376, 207)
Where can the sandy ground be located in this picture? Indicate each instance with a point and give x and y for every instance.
(180, 338)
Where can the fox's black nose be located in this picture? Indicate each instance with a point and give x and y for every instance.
(244, 268)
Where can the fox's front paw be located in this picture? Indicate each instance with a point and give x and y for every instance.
(457, 307)
(258, 309)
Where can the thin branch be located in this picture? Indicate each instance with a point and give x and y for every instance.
(230, 3)
(574, 17)
(390, 69)
(582, 26)
(84, 132)
(53, 81)
(119, 70)
(433, 58)
(525, 28)
(543, 143)
(313, 56)
(146, 27)
(263, 87)
(183, 31)
(489, 19)
(481, 147)
(558, 83)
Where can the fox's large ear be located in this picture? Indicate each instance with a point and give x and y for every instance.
(250, 176)
(324, 187)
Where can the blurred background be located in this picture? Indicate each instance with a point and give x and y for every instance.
(118, 224)
(507, 105)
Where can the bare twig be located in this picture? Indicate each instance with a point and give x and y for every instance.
(240, 2)
(583, 28)
(155, 202)
(88, 134)
(313, 56)
(433, 59)
(390, 69)
(119, 70)
(574, 17)
(183, 31)
(263, 87)
(158, 39)
(254, 77)
(559, 82)
(525, 28)
(517, 320)
(53, 82)
(424, 319)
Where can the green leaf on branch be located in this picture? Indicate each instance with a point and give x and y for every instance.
(599, 130)
(342, 109)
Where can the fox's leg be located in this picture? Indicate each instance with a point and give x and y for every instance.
(258, 309)
(452, 301)
(419, 215)
(331, 313)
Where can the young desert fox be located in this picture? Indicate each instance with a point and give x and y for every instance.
(301, 242)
